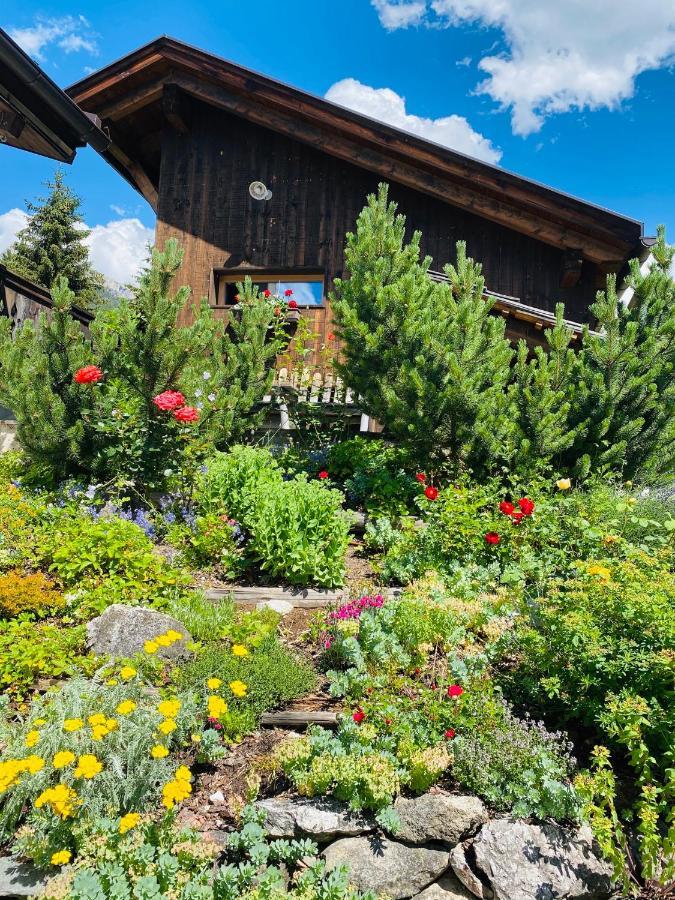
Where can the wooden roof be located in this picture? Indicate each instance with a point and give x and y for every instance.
(135, 95)
(39, 296)
(35, 114)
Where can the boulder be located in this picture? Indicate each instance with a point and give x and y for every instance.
(459, 861)
(123, 630)
(322, 820)
(20, 879)
(439, 817)
(387, 867)
(539, 862)
(283, 607)
(446, 888)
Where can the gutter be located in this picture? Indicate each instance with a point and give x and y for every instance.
(28, 73)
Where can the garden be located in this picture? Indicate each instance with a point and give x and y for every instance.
(486, 691)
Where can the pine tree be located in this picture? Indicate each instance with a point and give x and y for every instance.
(541, 396)
(623, 408)
(52, 245)
(426, 358)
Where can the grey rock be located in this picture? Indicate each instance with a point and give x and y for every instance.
(217, 798)
(446, 888)
(387, 867)
(283, 607)
(123, 630)
(461, 867)
(20, 879)
(439, 817)
(540, 862)
(322, 820)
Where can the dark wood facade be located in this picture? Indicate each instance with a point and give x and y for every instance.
(192, 132)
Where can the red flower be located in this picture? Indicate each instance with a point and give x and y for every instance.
(292, 304)
(517, 517)
(186, 414)
(88, 375)
(358, 716)
(526, 506)
(387, 721)
(288, 292)
(449, 734)
(237, 297)
(492, 537)
(267, 293)
(431, 492)
(322, 474)
(277, 310)
(421, 477)
(507, 508)
(169, 400)
(330, 336)
(455, 690)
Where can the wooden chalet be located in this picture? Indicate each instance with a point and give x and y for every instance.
(255, 177)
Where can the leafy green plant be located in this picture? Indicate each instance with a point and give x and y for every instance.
(30, 651)
(233, 481)
(209, 543)
(376, 476)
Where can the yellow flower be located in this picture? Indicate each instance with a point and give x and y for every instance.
(631, 501)
(175, 791)
(239, 650)
(126, 707)
(111, 724)
(73, 724)
(128, 822)
(196, 738)
(61, 858)
(563, 484)
(112, 682)
(167, 726)
(10, 771)
(39, 722)
(164, 640)
(62, 800)
(151, 647)
(213, 684)
(609, 539)
(217, 706)
(127, 673)
(63, 758)
(98, 732)
(183, 774)
(33, 764)
(96, 719)
(238, 688)
(602, 572)
(169, 708)
(88, 766)
(159, 751)
(174, 635)
(32, 738)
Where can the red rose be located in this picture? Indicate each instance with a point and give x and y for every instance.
(292, 304)
(186, 414)
(507, 508)
(322, 474)
(358, 716)
(455, 690)
(449, 734)
(267, 293)
(517, 517)
(431, 492)
(526, 506)
(330, 336)
(492, 537)
(88, 375)
(288, 292)
(421, 477)
(169, 400)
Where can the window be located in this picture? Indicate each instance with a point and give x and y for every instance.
(307, 289)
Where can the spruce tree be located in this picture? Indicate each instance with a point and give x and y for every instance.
(425, 358)
(623, 409)
(51, 246)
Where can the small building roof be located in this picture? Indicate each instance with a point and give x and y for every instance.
(135, 96)
(35, 114)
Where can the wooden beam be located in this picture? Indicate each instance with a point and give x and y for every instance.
(571, 268)
(301, 599)
(11, 123)
(140, 177)
(176, 108)
(117, 109)
(299, 718)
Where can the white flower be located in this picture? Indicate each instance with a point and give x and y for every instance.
(198, 392)
(168, 472)
(212, 398)
(206, 375)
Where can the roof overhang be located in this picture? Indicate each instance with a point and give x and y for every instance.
(35, 114)
(136, 95)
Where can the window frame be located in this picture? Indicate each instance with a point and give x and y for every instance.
(222, 277)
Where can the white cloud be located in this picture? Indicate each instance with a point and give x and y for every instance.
(72, 34)
(120, 248)
(11, 224)
(117, 249)
(571, 54)
(388, 106)
(394, 14)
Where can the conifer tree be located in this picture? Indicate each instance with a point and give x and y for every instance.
(52, 245)
(623, 410)
(426, 358)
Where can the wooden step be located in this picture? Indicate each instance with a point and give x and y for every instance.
(301, 598)
(299, 718)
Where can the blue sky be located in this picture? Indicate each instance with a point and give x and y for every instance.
(579, 98)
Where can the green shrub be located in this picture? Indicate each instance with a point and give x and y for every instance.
(204, 619)
(30, 650)
(376, 476)
(298, 533)
(209, 543)
(29, 594)
(233, 481)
